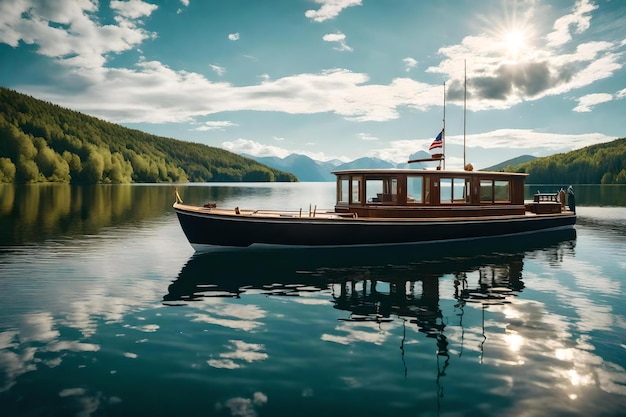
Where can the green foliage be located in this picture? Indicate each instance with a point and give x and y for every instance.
(604, 163)
(42, 142)
(259, 175)
(7, 170)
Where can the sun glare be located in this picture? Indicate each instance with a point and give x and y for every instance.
(514, 41)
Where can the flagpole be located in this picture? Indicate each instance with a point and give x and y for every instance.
(443, 136)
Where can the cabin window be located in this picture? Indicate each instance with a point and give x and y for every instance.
(445, 190)
(486, 191)
(381, 190)
(495, 191)
(502, 192)
(392, 189)
(453, 190)
(373, 189)
(414, 189)
(343, 190)
(356, 190)
(459, 190)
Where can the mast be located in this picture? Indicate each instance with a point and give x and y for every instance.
(443, 135)
(464, 109)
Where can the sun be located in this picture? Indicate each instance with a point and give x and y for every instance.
(514, 40)
(514, 43)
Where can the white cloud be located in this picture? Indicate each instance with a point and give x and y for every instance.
(585, 103)
(529, 139)
(498, 80)
(132, 9)
(253, 148)
(367, 137)
(161, 94)
(69, 31)
(330, 9)
(526, 140)
(410, 63)
(185, 3)
(155, 93)
(215, 125)
(233, 36)
(218, 70)
(250, 147)
(580, 19)
(339, 38)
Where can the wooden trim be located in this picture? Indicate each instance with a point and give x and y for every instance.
(440, 158)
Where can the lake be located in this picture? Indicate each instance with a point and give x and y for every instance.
(106, 311)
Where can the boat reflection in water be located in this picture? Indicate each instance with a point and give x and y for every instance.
(407, 285)
(410, 275)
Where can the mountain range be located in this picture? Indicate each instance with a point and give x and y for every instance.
(310, 170)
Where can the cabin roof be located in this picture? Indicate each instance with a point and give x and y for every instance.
(440, 173)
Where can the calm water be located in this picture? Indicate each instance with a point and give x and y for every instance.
(105, 311)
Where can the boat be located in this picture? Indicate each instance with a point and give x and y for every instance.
(389, 207)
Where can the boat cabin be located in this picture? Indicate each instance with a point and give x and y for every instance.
(429, 193)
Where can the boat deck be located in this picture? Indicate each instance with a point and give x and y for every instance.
(330, 214)
(323, 214)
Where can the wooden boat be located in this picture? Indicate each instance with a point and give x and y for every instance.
(390, 207)
(387, 207)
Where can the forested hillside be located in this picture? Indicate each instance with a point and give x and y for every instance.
(604, 163)
(41, 142)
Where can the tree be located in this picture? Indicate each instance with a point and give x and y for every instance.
(7, 170)
(27, 171)
(93, 167)
(259, 175)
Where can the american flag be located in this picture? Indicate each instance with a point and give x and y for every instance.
(438, 142)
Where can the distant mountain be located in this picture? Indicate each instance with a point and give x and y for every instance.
(303, 167)
(367, 162)
(597, 164)
(310, 170)
(512, 162)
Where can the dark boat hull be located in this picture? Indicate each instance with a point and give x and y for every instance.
(206, 229)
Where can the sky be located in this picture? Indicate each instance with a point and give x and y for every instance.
(332, 79)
